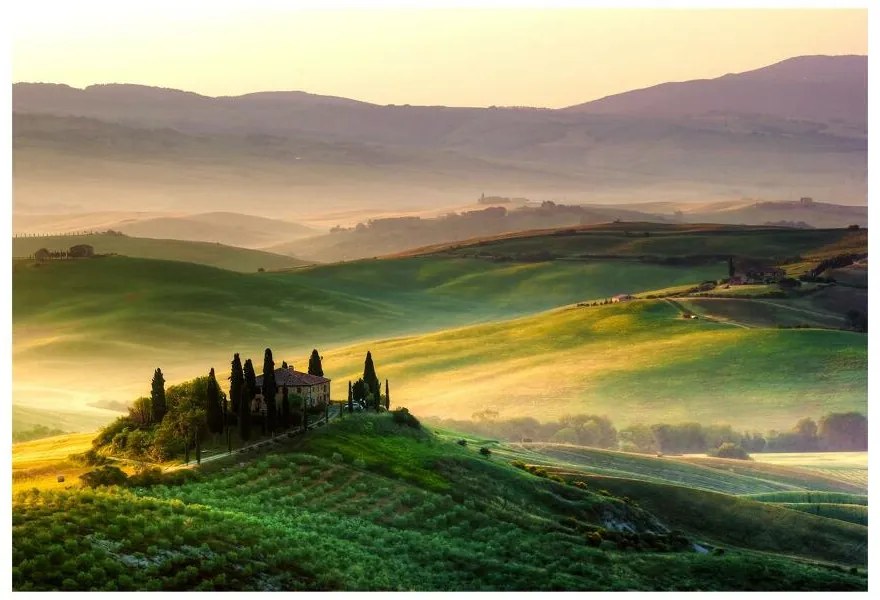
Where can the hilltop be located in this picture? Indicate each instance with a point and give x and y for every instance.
(310, 512)
(202, 253)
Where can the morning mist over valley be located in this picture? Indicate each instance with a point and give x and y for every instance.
(612, 263)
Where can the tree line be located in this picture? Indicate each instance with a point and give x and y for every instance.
(832, 432)
(176, 420)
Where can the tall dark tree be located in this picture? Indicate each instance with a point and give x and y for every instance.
(378, 397)
(370, 377)
(285, 408)
(387, 396)
(269, 390)
(360, 390)
(730, 269)
(157, 397)
(315, 367)
(350, 399)
(244, 414)
(213, 410)
(236, 383)
(284, 364)
(251, 389)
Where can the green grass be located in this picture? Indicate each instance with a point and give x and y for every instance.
(365, 504)
(730, 520)
(851, 513)
(104, 325)
(670, 240)
(812, 497)
(715, 475)
(203, 253)
(635, 362)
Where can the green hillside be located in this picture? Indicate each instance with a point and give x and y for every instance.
(366, 504)
(201, 253)
(103, 325)
(658, 240)
(635, 362)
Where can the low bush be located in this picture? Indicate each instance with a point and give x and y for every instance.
(485, 451)
(461, 442)
(402, 416)
(108, 475)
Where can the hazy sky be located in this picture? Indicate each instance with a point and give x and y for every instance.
(475, 57)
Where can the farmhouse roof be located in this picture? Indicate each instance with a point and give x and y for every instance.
(291, 378)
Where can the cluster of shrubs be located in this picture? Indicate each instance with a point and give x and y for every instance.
(109, 475)
(674, 541)
(539, 471)
(402, 416)
(730, 450)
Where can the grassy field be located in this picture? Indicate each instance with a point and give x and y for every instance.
(846, 466)
(666, 240)
(365, 504)
(122, 317)
(202, 253)
(714, 475)
(102, 326)
(635, 362)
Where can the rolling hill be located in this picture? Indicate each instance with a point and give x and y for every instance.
(202, 253)
(308, 514)
(627, 360)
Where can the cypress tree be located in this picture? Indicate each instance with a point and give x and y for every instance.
(236, 383)
(213, 410)
(730, 269)
(250, 386)
(387, 396)
(269, 389)
(244, 414)
(157, 396)
(370, 377)
(315, 367)
(350, 400)
(378, 396)
(285, 408)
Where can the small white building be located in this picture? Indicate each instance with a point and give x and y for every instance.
(621, 298)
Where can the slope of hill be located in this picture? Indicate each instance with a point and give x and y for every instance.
(68, 315)
(245, 231)
(817, 88)
(202, 253)
(313, 511)
(635, 362)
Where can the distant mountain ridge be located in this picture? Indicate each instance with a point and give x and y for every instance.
(792, 129)
(804, 87)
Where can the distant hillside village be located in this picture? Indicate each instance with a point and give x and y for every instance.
(183, 418)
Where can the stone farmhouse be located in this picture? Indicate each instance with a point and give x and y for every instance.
(314, 388)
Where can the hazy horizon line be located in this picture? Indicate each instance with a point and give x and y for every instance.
(354, 99)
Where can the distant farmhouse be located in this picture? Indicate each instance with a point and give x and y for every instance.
(621, 298)
(751, 272)
(314, 388)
